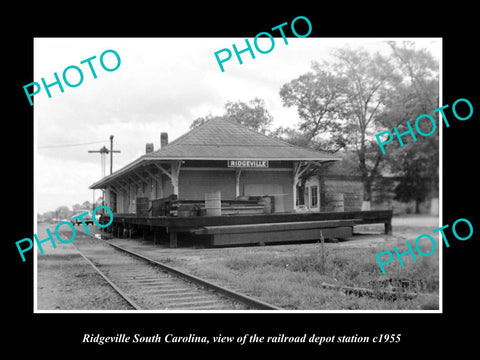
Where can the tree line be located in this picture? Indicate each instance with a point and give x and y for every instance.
(63, 212)
(342, 103)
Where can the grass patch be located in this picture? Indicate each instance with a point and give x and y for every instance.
(291, 276)
(292, 279)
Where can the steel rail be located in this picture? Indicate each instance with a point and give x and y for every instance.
(105, 277)
(115, 287)
(247, 300)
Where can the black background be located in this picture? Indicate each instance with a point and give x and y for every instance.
(58, 335)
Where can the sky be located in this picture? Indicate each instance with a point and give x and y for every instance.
(161, 85)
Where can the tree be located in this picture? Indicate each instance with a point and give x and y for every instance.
(372, 81)
(339, 103)
(416, 178)
(317, 97)
(200, 120)
(49, 215)
(417, 162)
(253, 115)
(421, 69)
(99, 202)
(76, 208)
(290, 135)
(86, 205)
(63, 212)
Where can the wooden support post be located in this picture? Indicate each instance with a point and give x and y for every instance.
(156, 237)
(238, 171)
(175, 169)
(388, 227)
(173, 239)
(173, 174)
(322, 248)
(299, 169)
(296, 166)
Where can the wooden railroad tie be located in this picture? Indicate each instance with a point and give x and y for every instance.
(379, 294)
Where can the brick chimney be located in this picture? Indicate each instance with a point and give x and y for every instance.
(163, 139)
(148, 148)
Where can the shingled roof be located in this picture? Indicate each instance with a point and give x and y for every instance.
(220, 139)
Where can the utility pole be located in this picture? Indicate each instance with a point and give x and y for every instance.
(103, 151)
(111, 153)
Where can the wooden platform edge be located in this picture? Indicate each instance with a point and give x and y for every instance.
(230, 239)
(266, 227)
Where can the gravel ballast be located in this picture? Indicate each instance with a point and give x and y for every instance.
(65, 281)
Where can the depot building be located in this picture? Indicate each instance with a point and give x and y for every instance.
(222, 184)
(218, 156)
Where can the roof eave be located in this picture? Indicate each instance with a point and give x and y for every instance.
(169, 158)
(103, 182)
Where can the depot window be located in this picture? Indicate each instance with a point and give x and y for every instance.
(314, 196)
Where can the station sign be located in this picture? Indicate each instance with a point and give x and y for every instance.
(248, 163)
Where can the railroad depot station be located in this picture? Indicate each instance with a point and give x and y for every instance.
(223, 184)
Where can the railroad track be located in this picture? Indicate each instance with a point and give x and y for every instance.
(147, 284)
